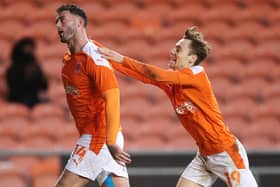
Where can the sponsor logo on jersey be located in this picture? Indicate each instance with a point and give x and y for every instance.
(71, 90)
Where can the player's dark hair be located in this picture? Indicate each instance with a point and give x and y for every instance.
(198, 45)
(73, 9)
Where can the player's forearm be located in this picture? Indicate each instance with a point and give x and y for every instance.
(112, 112)
(150, 71)
(130, 72)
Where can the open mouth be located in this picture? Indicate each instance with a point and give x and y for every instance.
(60, 33)
(172, 59)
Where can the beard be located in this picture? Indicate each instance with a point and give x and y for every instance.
(65, 38)
(67, 35)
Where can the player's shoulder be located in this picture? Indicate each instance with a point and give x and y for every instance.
(91, 49)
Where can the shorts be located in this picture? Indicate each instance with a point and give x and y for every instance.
(86, 163)
(231, 166)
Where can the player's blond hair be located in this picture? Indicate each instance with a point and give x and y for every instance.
(198, 45)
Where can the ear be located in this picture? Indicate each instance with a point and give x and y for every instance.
(80, 22)
(192, 59)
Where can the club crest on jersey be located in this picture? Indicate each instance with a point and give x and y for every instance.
(78, 67)
(186, 106)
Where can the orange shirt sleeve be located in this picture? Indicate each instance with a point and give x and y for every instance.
(138, 75)
(112, 113)
(105, 80)
(184, 77)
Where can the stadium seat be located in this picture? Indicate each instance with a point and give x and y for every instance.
(8, 143)
(230, 69)
(120, 12)
(273, 104)
(173, 32)
(53, 72)
(170, 129)
(12, 176)
(274, 90)
(17, 11)
(93, 9)
(239, 106)
(46, 110)
(226, 12)
(5, 47)
(46, 129)
(221, 87)
(154, 94)
(14, 127)
(255, 86)
(38, 142)
(26, 163)
(131, 90)
(45, 174)
(258, 143)
(162, 8)
(271, 124)
(269, 34)
(210, 29)
(195, 14)
(131, 128)
(237, 125)
(181, 143)
(113, 31)
(273, 17)
(138, 49)
(148, 143)
(43, 30)
(7, 26)
(163, 48)
(135, 107)
(244, 29)
(52, 50)
(261, 68)
(56, 92)
(14, 110)
(254, 13)
(267, 50)
(66, 136)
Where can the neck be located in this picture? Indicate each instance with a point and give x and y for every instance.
(76, 45)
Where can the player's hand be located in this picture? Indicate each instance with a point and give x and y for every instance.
(111, 55)
(119, 155)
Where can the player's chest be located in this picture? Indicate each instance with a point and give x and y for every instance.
(182, 100)
(73, 74)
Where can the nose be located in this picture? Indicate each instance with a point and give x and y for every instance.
(58, 23)
(173, 51)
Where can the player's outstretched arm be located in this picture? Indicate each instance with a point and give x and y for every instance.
(153, 73)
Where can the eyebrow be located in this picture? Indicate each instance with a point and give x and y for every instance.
(58, 18)
(178, 47)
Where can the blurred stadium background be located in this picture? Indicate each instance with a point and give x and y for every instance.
(243, 68)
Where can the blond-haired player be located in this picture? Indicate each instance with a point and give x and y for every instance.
(220, 154)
